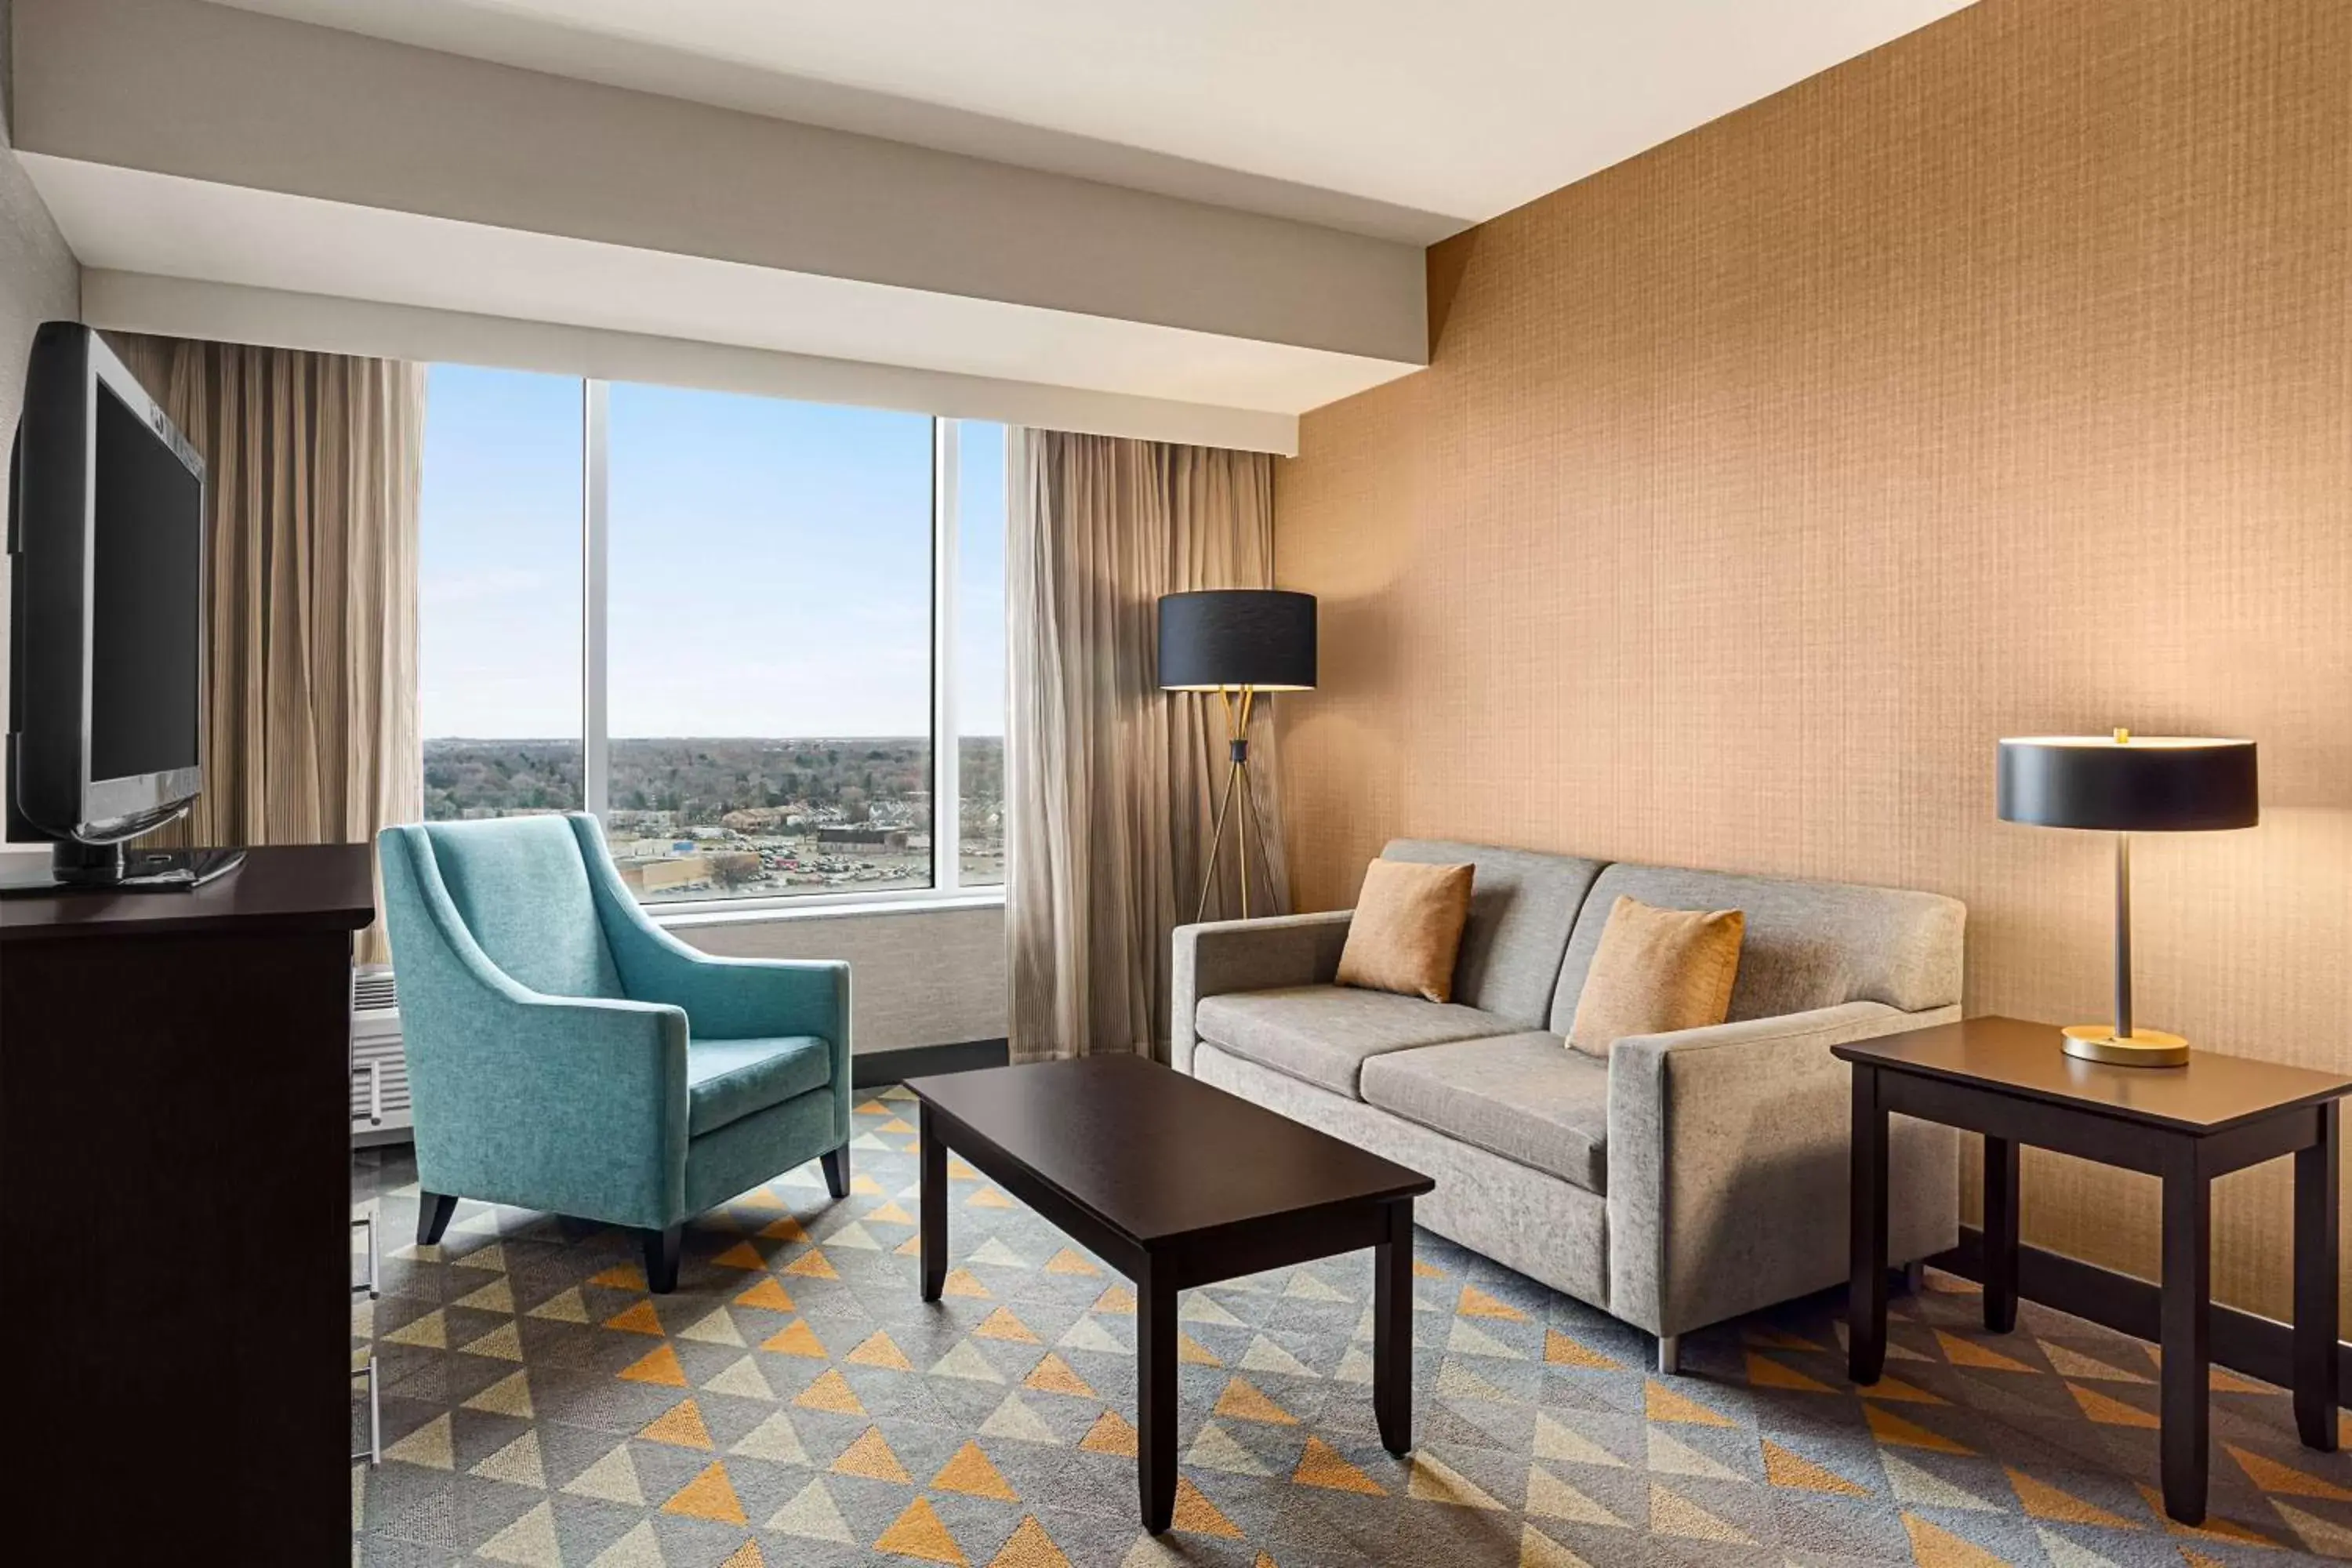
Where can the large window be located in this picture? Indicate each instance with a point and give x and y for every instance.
(735, 628)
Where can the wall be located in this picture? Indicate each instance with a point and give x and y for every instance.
(1998, 382)
(38, 282)
(933, 978)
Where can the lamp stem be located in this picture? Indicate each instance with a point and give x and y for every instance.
(2123, 937)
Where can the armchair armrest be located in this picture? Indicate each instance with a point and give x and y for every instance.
(1248, 955)
(1728, 1166)
(578, 1105)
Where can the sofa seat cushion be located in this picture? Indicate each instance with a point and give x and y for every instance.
(726, 1080)
(1324, 1034)
(1526, 1097)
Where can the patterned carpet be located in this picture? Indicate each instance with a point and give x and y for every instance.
(796, 1403)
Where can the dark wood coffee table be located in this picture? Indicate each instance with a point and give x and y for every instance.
(1175, 1184)
(2007, 1079)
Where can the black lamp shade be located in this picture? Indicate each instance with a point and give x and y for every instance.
(1263, 637)
(2148, 784)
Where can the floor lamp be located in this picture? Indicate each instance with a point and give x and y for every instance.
(1239, 643)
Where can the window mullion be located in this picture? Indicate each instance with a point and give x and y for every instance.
(594, 747)
(946, 760)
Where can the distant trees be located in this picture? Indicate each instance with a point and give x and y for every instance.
(701, 779)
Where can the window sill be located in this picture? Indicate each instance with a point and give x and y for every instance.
(748, 912)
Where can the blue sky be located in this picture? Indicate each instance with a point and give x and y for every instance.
(770, 564)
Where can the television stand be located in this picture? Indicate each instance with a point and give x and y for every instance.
(109, 867)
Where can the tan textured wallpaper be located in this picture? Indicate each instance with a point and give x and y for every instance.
(1999, 382)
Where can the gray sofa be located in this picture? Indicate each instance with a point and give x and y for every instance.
(1693, 1177)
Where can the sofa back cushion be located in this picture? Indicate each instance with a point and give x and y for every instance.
(522, 890)
(1523, 905)
(1808, 945)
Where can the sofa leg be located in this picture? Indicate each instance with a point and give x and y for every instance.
(432, 1212)
(1670, 1354)
(1915, 1275)
(661, 1259)
(836, 1172)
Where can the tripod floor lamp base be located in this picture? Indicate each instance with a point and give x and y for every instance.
(1246, 826)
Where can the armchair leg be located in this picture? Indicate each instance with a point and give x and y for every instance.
(1670, 1354)
(661, 1259)
(836, 1172)
(432, 1212)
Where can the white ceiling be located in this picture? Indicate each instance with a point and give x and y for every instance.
(1401, 117)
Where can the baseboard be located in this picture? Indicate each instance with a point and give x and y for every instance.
(2243, 1341)
(868, 1070)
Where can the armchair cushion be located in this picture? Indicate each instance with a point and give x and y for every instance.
(1324, 1034)
(1520, 1095)
(726, 1080)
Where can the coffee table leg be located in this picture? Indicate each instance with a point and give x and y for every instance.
(2185, 1315)
(934, 1226)
(1866, 1293)
(2314, 1284)
(1155, 1400)
(1393, 1330)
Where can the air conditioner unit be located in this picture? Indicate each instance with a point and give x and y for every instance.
(379, 1113)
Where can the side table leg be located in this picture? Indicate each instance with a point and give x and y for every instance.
(2315, 1283)
(1155, 1401)
(1866, 1295)
(1999, 1234)
(933, 1228)
(2186, 1318)
(1393, 1330)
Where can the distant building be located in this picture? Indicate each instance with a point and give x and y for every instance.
(673, 874)
(862, 840)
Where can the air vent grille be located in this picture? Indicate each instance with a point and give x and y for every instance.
(373, 990)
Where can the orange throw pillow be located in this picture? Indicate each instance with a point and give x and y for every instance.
(1407, 929)
(1658, 971)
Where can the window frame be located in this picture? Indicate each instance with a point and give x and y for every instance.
(946, 889)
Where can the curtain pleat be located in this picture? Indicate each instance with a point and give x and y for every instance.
(1112, 784)
(312, 466)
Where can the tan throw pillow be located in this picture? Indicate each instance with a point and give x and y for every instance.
(1658, 971)
(1407, 929)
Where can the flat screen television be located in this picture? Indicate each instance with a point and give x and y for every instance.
(107, 547)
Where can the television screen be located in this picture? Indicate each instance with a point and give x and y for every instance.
(144, 639)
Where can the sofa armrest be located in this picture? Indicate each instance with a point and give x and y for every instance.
(1728, 1166)
(1248, 955)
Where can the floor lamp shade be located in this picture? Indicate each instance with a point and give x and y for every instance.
(2124, 783)
(1228, 638)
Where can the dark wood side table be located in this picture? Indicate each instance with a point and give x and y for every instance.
(1175, 1184)
(2006, 1078)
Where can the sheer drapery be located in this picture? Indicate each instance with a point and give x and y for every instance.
(312, 466)
(1111, 784)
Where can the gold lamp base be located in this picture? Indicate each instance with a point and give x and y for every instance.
(2140, 1048)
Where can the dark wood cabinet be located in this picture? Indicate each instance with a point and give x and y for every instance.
(175, 1211)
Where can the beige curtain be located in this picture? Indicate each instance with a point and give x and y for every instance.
(1112, 784)
(312, 463)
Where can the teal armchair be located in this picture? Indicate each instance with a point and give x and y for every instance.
(567, 1054)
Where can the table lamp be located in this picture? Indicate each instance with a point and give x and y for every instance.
(2124, 785)
(1238, 643)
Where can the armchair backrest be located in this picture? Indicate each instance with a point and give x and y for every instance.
(521, 887)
